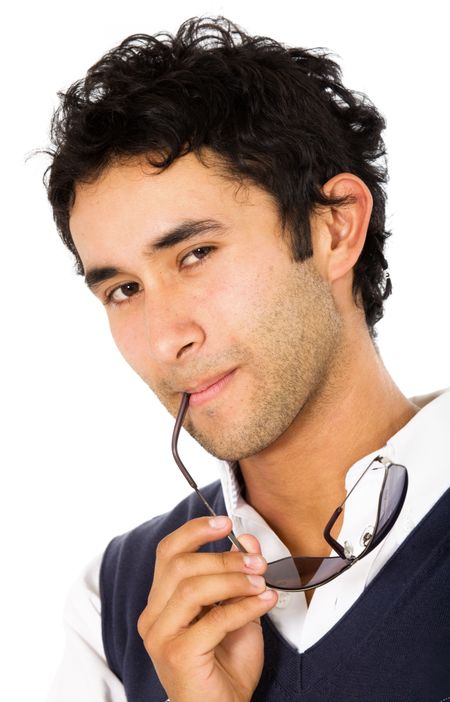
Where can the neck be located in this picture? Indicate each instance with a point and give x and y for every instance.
(297, 482)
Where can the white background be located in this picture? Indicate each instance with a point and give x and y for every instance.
(86, 448)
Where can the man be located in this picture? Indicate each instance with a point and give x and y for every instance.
(223, 197)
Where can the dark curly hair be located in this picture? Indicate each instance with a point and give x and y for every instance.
(277, 117)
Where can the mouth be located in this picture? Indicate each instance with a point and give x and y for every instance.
(212, 390)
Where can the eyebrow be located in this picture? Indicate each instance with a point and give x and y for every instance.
(184, 231)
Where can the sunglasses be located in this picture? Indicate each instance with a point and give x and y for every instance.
(299, 573)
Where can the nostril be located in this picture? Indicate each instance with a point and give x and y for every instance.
(184, 348)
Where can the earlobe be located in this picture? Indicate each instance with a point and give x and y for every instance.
(347, 223)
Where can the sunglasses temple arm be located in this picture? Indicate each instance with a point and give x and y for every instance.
(231, 535)
(178, 424)
(327, 535)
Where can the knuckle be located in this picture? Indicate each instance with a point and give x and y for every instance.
(154, 641)
(144, 624)
(178, 564)
(146, 618)
(152, 645)
(141, 625)
(162, 549)
(187, 589)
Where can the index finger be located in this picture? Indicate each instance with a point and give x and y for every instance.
(190, 536)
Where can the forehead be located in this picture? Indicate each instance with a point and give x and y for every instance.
(134, 189)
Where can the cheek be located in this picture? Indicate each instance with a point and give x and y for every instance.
(233, 301)
(129, 339)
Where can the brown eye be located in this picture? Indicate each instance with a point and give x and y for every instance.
(123, 292)
(199, 254)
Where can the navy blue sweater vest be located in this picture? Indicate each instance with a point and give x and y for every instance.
(392, 645)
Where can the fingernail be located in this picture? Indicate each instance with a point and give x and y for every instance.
(218, 522)
(253, 561)
(256, 580)
(267, 595)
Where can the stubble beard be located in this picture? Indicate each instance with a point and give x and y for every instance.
(291, 353)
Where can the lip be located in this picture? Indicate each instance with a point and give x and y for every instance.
(209, 389)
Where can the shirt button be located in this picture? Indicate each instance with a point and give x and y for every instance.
(283, 599)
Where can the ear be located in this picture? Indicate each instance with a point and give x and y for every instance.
(339, 232)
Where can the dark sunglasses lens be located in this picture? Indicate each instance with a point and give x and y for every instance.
(302, 572)
(305, 572)
(392, 500)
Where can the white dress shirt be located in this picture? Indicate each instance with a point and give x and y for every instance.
(422, 445)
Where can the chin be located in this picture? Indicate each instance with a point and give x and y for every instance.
(229, 450)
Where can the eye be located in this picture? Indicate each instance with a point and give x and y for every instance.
(122, 293)
(200, 253)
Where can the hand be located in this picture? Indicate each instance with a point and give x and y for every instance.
(203, 652)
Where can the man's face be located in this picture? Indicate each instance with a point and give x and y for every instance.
(225, 300)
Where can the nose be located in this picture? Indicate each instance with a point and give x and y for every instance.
(172, 327)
